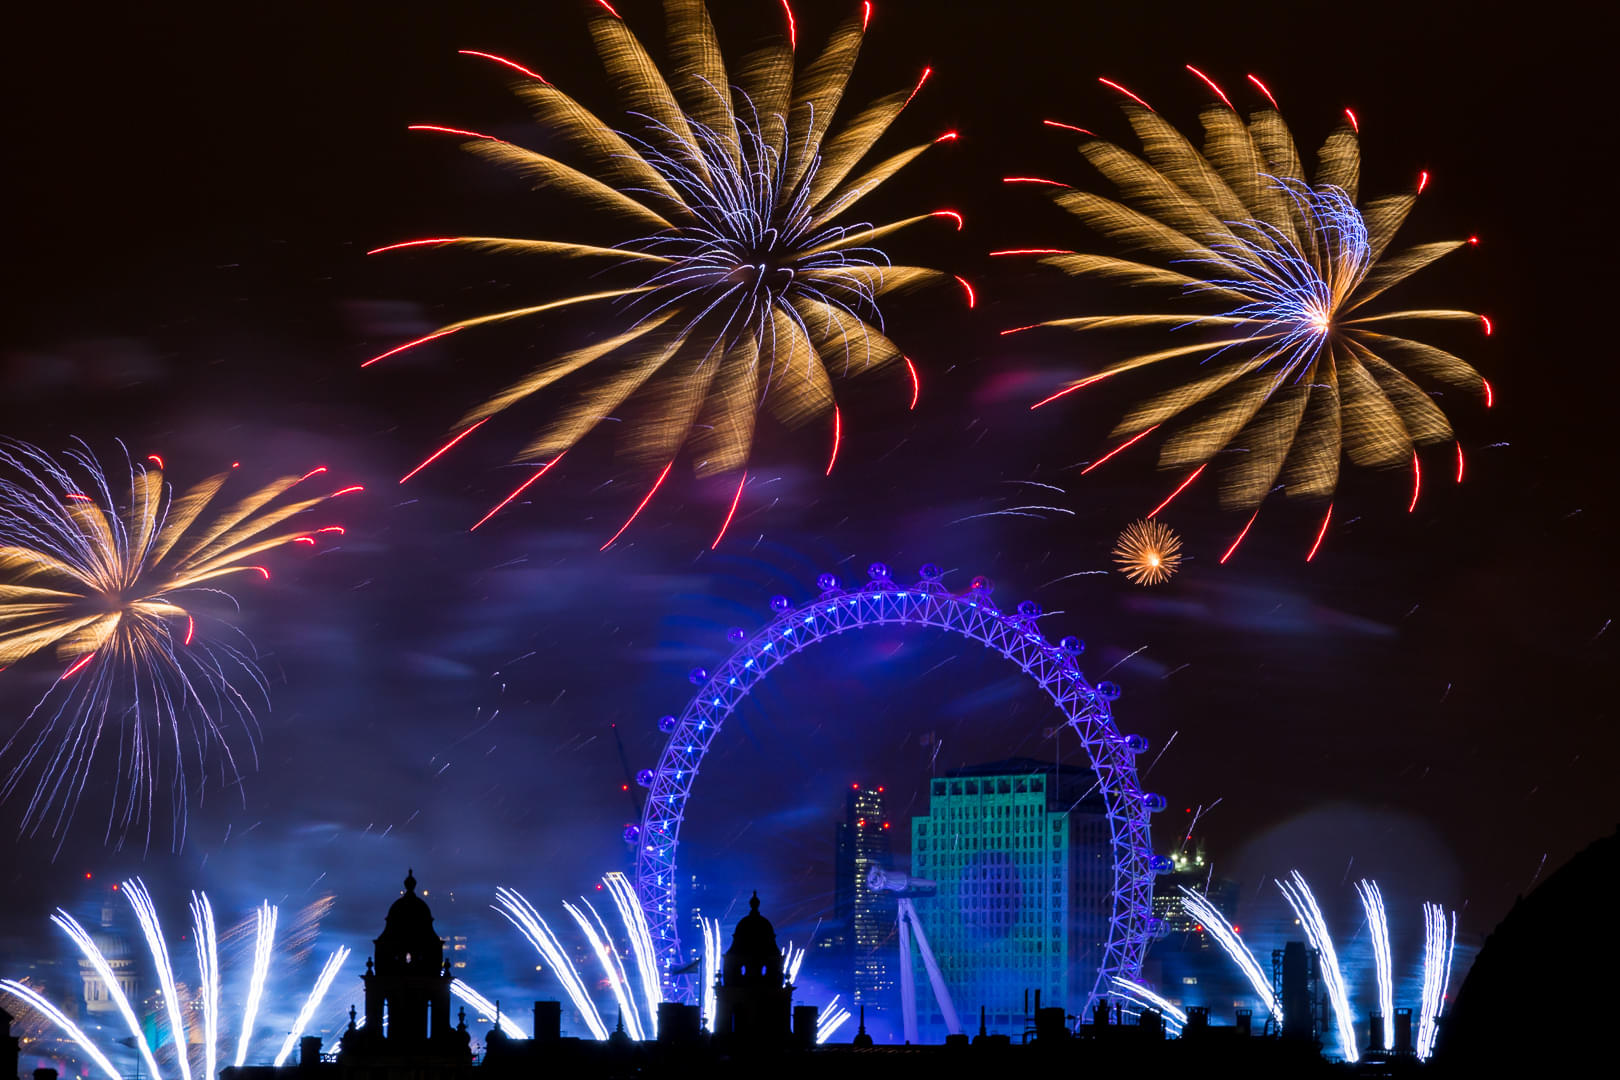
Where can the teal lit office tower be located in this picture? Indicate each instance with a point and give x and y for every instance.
(864, 919)
(1020, 852)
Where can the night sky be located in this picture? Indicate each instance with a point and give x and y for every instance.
(192, 190)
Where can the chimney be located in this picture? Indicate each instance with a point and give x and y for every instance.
(547, 1021)
(309, 1051)
(1197, 1020)
(1375, 1032)
(1403, 1031)
(1050, 1025)
(805, 1019)
(1245, 1023)
(44, 1074)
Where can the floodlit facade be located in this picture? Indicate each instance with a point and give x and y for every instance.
(1020, 853)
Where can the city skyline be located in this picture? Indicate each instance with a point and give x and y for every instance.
(657, 620)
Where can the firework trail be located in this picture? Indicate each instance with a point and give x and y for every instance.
(1148, 552)
(737, 287)
(832, 1017)
(263, 940)
(322, 984)
(1372, 902)
(91, 953)
(792, 960)
(608, 957)
(635, 923)
(1438, 946)
(1272, 278)
(107, 584)
(146, 914)
(712, 948)
(206, 1002)
(509, 1027)
(1300, 898)
(207, 940)
(1140, 994)
(1216, 924)
(28, 994)
(521, 914)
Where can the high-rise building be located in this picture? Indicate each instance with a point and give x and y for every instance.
(1184, 962)
(864, 919)
(1019, 851)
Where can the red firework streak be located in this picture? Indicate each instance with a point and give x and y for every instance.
(1184, 485)
(637, 513)
(838, 435)
(1239, 539)
(1133, 440)
(1320, 533)
(521, 488)
(441, 451)
(735, 499)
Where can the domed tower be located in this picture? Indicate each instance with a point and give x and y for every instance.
(753, 1003)
(408, 975)
(120, 956)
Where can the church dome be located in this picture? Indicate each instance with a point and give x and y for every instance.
(408, 940)
(410, 915)
(114, 946)
(754, 940)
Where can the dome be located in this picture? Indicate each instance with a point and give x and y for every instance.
(409, 943)
(754, 940)
(114, 946)
(410, 913)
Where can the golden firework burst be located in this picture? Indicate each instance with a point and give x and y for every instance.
(1148, 552)
(738, 286)
(1274, 288)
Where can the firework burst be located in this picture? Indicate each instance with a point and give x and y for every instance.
(1274, 281)
(739, 286)
(109, 585)
(1148, 552)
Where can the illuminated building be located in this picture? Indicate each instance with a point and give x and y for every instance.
(120, 958)
(1184, 961)
(1020, 852)
(865, 919)
(1195, 872)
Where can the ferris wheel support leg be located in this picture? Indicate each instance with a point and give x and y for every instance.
(936, 979)
(908, 986)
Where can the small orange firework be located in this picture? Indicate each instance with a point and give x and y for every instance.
(1148, 552)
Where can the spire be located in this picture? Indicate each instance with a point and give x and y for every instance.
(862, 1039)
(410, 881)
(753, 903)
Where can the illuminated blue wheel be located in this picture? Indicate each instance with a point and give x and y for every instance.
(881, 601)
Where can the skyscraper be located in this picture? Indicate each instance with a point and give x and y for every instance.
(864, 919)
(1183, 961)
(1020, 852)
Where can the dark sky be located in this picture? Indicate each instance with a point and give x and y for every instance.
(193, 188)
